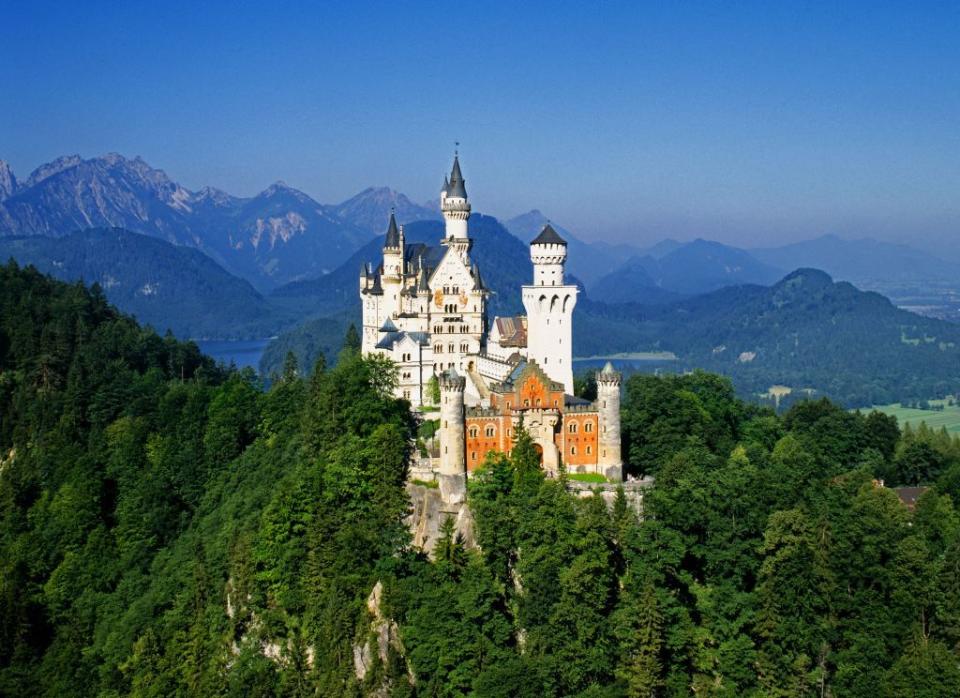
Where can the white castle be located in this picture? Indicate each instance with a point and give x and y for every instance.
(425, 307)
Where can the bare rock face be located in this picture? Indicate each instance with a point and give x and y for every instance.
(8, 182)
(430, 509)
(384, 635)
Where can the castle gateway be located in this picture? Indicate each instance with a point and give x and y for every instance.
(424, 306)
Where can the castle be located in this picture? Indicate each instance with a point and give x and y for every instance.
(424, 306)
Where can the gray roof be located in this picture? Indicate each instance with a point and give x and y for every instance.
(458, 187)
(388, 326)
(548, 236)
(377, 288)
(393, 233)
(446, 183)
(477, 279)
(391, 338)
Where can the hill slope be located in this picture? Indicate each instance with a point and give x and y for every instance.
(166, 286)
(692, 268)
(804, 332)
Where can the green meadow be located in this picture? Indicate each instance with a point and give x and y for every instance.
(935, 419)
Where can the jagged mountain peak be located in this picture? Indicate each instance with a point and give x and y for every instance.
(52, 168)
(8, 181)
(370, 209)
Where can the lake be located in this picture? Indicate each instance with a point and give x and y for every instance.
(244, 352)
(247, 352)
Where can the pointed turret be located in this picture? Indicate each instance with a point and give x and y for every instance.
(393, 233)
(457, 185)
(454, 204)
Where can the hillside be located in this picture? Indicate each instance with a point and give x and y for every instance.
(687, 269)
(163, 285)
(805, 331)
(270, 239)
(168, 529)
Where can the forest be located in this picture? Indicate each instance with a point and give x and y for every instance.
(168, 527)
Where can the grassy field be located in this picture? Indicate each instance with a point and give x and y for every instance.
(949, 417)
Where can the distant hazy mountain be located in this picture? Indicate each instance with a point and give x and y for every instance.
(587, 261)
(632, 283)
(684, 269)
(370, 209)
(275, 237)
(863, 260)
(167, 286)
(803, 332)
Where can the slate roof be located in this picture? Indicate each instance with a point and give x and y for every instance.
(391, 338)
(457, 184)
(393, 233)
(548, 236)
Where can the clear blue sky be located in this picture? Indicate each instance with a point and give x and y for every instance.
(750, 123)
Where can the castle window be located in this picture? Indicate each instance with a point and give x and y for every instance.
(450, 348)
(464, 347)
(538, 402)
(526, 403)
(473, 455)
(589, 450)
(473, 432)
(438, 349)
(573, 450)
(588, 427)
(573, 427)
(406, 394)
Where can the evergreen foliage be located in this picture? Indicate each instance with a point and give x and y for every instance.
(169, 528)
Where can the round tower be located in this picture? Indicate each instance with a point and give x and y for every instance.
(453, 463)
(608, 403)
(549, 304)
(454, 204)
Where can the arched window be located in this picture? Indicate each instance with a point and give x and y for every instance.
(526, 403)
(450, 348)
(573, 427)
(473, 455)
(474, 432)
(588, 427)
(437, 348)
(589, 450)
(573, 450)
(491, 431)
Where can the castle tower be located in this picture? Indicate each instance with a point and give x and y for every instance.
(454, 204)
(549, 305)
(453, 463)
(393, 249)
(610, 461)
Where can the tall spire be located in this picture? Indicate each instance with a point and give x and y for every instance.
(393, 234)
(457, 183)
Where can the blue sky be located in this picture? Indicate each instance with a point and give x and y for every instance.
(750, 123)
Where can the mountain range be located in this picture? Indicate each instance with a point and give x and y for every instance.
(208, 264)
(166, 286)
(272, 238)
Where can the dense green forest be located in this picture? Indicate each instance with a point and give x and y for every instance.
(169, 528)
